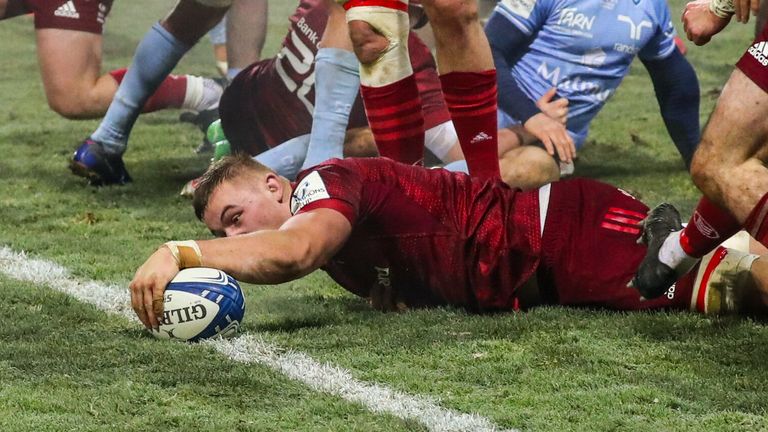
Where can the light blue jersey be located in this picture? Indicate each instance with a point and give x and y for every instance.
(584, 48)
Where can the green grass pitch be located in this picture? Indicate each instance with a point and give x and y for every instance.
(66, 366)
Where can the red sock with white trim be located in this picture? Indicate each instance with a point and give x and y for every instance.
(471, 99)
(756, 223)
(396, 120)
(170, 93)
(709, 226)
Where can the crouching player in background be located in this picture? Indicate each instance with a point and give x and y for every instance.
(406, 236)
(69, 48)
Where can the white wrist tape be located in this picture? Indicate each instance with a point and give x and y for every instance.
(187, 253)
(394, 63)
(722, 8)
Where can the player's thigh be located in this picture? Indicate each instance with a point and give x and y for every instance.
(70, 61)
(737, 129)
(191, 19)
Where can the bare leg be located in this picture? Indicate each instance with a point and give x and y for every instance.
(246, 32)
(729, 164)
(459, 38)
(70, 65)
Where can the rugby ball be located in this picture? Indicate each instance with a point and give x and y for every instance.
(201, 303)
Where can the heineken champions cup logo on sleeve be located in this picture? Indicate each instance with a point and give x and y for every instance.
(311, 189)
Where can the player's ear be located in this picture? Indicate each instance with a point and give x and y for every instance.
(274, 185)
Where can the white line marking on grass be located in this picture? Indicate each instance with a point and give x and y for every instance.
(248, 349)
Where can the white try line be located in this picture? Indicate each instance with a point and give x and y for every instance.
(247, 348)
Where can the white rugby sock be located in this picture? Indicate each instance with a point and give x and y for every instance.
(202, 94)
(673, 255)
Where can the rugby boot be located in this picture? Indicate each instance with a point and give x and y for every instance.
(92, 162)
(653, 277)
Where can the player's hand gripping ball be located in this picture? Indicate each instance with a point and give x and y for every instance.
(201, 303)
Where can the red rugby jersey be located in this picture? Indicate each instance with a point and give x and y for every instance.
(435, 236)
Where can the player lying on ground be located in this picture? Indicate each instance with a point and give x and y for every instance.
(69, 39)
(99, 157)
(582, 49)
(407, 236)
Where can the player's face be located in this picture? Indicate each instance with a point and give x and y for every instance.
(245, 205)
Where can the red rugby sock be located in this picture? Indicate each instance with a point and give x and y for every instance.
(170, 94)
(396, 120)
(471, 99)
(709, 226)
(757, 223)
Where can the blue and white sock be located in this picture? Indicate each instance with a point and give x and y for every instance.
(155, 58)
(286, 158)
(337, 83)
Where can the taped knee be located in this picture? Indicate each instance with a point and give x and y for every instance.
(392, 63)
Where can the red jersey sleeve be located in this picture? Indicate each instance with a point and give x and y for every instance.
(331, 186)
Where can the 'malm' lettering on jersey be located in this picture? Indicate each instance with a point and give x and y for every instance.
(575, 85)
(300, 62)
(311, 189)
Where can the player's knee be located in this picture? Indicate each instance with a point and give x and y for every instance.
(368, 44)
(453, 15)
(71, 108)
(528, 167)
(703, 171)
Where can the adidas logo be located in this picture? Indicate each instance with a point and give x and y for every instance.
(482, 136)
(760, 52)
(67, 10)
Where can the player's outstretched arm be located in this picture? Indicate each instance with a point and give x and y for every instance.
(301, 245)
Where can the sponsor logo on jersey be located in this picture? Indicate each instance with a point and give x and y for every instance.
(577, 85)
(311, 189)
(67, 10)
(609, 4)
(704, 227)
(626, 49)
(520, 7)
(635, 29)
(308, 31)
(572, 18)
(760, 52)
(482, 136)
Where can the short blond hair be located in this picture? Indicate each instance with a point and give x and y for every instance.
(225, 169)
